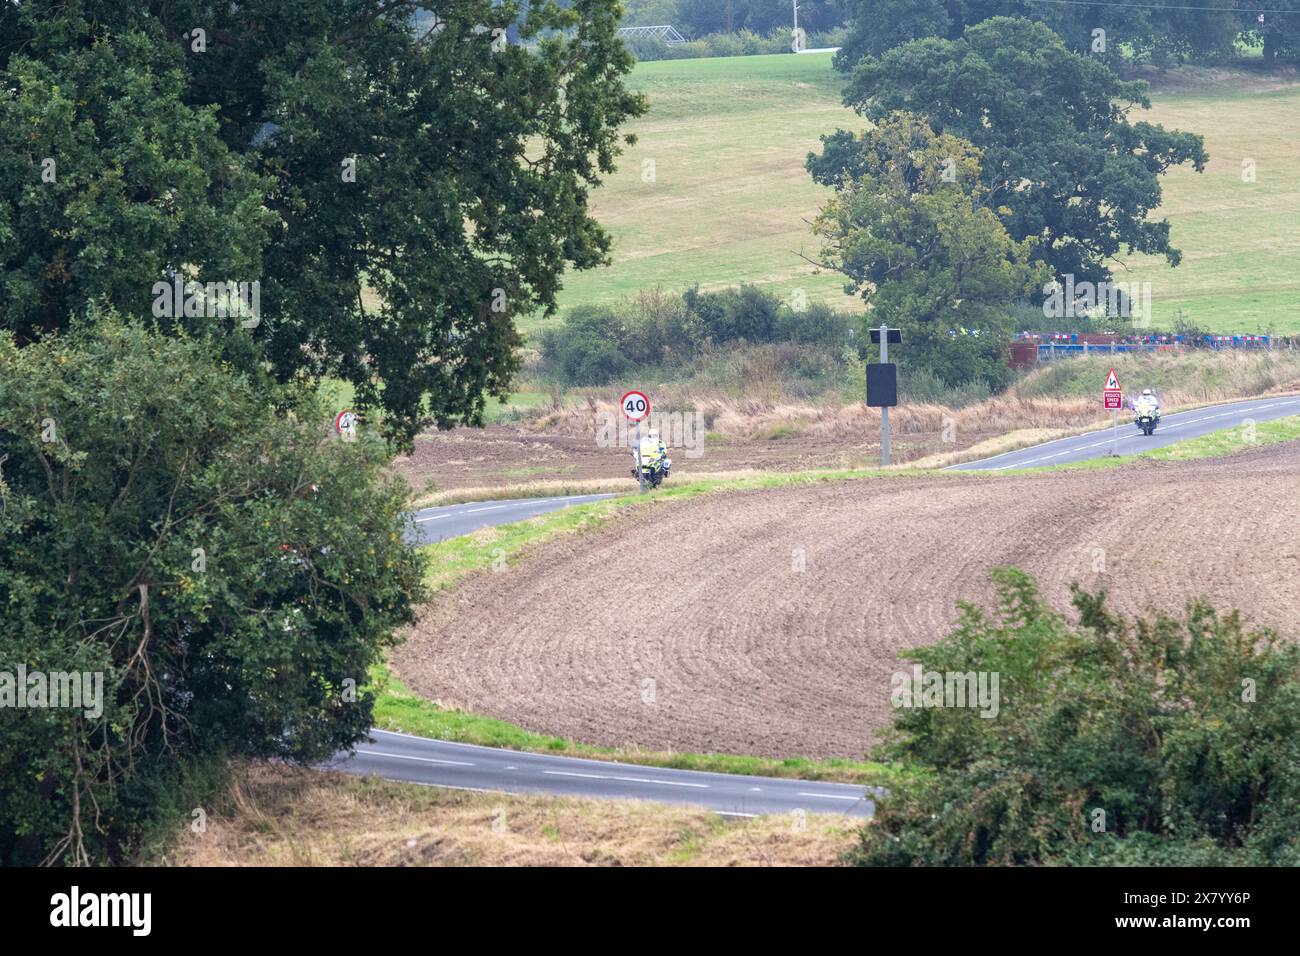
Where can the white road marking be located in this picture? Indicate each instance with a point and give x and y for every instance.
(830, 796)
(602, 776)
(380, 753)
(571, 773)
(664, 783)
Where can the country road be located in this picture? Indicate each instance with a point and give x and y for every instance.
(1174, 427)
(452, 521)
(467, 766)
(442, 763)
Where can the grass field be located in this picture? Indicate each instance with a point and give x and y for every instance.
(730, 201)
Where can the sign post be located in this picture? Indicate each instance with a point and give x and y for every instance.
(1114, 400)
(636, 407)
(882, 383)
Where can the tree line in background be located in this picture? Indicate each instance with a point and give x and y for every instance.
(699, 18)
(1154, 32)
(1158, 33)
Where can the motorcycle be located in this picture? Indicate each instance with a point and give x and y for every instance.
(1147, 417)
(654, 467)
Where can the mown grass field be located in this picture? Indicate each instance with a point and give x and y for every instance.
(730, 201)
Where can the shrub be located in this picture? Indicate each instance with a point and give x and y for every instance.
(586, 349)
(1179, 736)
(231, 571)
(596, 344)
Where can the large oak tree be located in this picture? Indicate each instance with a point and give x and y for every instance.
(1061, 160)
(402, 184)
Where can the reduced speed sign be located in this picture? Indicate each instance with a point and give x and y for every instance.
(635, 406)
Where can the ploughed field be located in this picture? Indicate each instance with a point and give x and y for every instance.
(687, 626)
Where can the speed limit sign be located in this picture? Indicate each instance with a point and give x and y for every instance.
(635, 406)
(346, 424)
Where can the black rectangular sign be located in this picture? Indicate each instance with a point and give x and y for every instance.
(882, 384)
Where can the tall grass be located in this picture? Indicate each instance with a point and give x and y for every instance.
(755, 393)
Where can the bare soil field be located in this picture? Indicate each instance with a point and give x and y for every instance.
(502, 455)
(690, 626)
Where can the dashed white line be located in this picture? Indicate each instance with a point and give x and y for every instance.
(829, 796)
(572, 773)
(380, 753)
(604, 776)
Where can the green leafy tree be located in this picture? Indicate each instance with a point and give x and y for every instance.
(231, 573)
(108, 179)
(1060, 159)
(910, 228)
(1111, 31)
(1163, 741)
(1278, 30)
(403, 185)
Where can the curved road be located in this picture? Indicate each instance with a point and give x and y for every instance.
(451, 521)
(444, 764)
(1173, 427)
(471, 767)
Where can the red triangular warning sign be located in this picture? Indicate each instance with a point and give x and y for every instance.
(1112, 382)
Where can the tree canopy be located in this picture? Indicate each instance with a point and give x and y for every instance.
(910, 228)
(230, 574)
(402, 185)
(1112, 31)
(1060, 159)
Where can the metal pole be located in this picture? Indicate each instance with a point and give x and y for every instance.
(640, 475)
(884, 409)
(1114, 433)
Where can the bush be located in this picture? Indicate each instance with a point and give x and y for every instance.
(587, 348)
(230, 571)
(1165, 741)
(596, 345)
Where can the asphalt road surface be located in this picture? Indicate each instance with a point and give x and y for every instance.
(451, 521)
(1173, 427)
(470, 767)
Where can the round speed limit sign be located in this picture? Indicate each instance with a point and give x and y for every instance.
(635, 406)
(346, 424)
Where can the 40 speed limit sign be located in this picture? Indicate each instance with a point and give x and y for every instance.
(635, 406)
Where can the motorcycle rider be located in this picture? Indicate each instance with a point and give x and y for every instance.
(653, 448)
(1149, 399)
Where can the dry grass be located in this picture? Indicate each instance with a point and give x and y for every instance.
(549, 489)
(1000, 445)
(1063, 395)
(279, 816)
